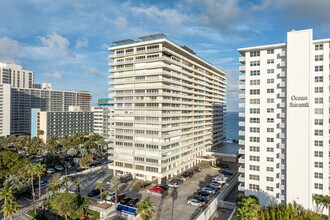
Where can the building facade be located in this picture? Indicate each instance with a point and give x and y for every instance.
(14, 75)
(5, 92)
(285, 103)
(21, 101)
(168, 105)
(47, 124)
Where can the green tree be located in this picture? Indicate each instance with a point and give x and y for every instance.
(247, 209)
(40, 170)
(85, 160)
(115, 187)
(55, 185)
(145, 209)
(32, 170)
(10, 208)
(6, 195)
(64, 204)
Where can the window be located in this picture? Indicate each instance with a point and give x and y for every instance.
(269, 81)
(318, 68)
(270, 110)
(318, 164)
(254, 101)
(255, 82)
(270, 100)
(254, 139)
(255, 54)
(254, 130)
(254, 168)
(254, 158)
(269, 71)
(119, 51)
(270, 139)
(318, 175)
(318, 111)
(319, 47)
(254, 110)
(318, 122)
(255, 92)
(318, 100)
(318, 89)
(318, 153)
(270, 90)
(318, 186)
(319, 57)
(270, 169)
(270, 61)
(153, 47)
(318, 78)
(254, 149)
(255, 63)
(270, 129)
(318, 143)
(270, 120)
(254, 186)
(318, 132)
(254, 177)
(255, 72)
(271, 51)
(270, 179)
(270, 159)
(269, 188)
(130, 50)
(139, 49)
(270, 149)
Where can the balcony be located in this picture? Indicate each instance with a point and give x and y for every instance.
(281, 95)
(241, 160)
(241, 105)
(242, 60)
(281, 85)
(282, 187)
(241, 114)
(281, 125)
(281, 135)
(241, 142)
(282, 74)
(281, 115)
(282, 146)
(281, 105)
(241, 96)
(242, 78)
(282, 64)
(282, 54)
(241, 133)
(241, 178)
(241, 187)
(242, 87)
(241, 123)
(242, 69)
(241, 169)
(241, 151)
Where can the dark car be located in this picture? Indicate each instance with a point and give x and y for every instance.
(201, 198)
(94, 192)
(125, 179)
(179, 181)
(227, 172)
(164, 187)
(119, 198)
(223, 165)
(205, 194)
(125, 201)
(145, 184)
(188, 174)
(79, 169)
(133, 202)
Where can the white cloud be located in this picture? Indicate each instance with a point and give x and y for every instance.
(81, 43)
(53, 76)
(56, 42)
(9, 49)
(94, 71)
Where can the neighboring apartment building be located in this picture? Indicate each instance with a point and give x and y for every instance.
(14, 75)
(286, 127)
(103, 118)
(5, 109)
(169, 107)
(60, 123)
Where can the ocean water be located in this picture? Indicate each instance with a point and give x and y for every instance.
(232, 127)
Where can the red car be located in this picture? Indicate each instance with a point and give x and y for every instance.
(156, 189)
(119, 198)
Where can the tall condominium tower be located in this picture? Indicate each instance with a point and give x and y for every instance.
(14, 75)
(286, 127)
(169, 107)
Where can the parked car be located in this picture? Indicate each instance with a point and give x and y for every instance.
(43, 183)
(125, 200)
(205, 194)
(226, 172)
(119, 173)
(173, 184)
(50, 170)
(133, 202)
(125, 179)
(223, 165)
(198, 169)
(201, 198)
(156, 189)
(145, 184)
(79, 169)
(164, 187)
(195, 202)
(221, 180)
(188, 174)
(94, 192)
(119, 198)
(59, 168)
(209, 190)
(215, 185)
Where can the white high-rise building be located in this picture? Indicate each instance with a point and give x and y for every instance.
(14, 75)
(286, 127)
(168, 105)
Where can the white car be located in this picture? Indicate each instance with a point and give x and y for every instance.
(59, 168)
(220, 180)
(209, 190)
(173, 184)
(195, 202)
(50, 170)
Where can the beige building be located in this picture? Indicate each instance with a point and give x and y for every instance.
(14, 75)
(168, 105)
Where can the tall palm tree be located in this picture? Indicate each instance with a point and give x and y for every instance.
(100, 186)
(10, 208)
(40, 169)
(115, 187)
(6, 194)
(31, 169)
(145, 209)
(55, 185)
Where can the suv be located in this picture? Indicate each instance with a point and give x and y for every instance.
(145, 184)
(94, 192)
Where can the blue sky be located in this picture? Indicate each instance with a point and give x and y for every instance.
(65, 41)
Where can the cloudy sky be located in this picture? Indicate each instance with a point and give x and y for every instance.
(65, 41)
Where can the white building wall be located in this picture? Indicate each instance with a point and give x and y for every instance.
(5, 109)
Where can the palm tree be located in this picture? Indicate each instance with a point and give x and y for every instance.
(31, 169)
(247, 209)
(40, 169)
(55, 185)
(145, 209)
(100, 186)
(10, 208)
(6, 194)
(115, 187)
